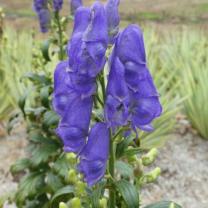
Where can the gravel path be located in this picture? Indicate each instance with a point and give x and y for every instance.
(184, 164)
(184, 179)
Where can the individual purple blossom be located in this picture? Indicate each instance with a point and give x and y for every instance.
(138, 93)
(75, 4)
(57, 5)
(44, 20)
(39, 4)
(113, 19)
(94, 156)
(88, 55)
(41, 8)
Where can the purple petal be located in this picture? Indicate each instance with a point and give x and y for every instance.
(57, 5)
(131, 45)
(113, 19)
(74, 126)
(44, 20)
(75, 4)
(63, 95)
(94, 156)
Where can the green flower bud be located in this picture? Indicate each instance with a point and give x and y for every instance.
(62, 205)
(172, 205)
(103, 203)
(138, 171)
(72, 177)
(75, 203)
(151, 176)
(80, 188)
(71, 158)
(132, 159)
(150, 157)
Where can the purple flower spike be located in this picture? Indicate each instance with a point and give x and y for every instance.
(41, 8)
(74, 126)
(131, 93)
(113, 19)
(75, 4)
(44, 20)
(39, 4)
(57, 5)
(94, 156)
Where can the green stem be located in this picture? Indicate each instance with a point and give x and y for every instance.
(102, 82)
(112, 195)
(61, 53)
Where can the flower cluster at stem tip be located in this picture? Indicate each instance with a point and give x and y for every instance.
(130, 99)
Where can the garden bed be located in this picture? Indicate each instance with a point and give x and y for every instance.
(183, 160)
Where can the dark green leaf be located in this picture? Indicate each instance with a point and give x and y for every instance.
(63, 194)
(122, 146)
(124, 169)
(53, 181)
(37, 78)
(30, 185)
(20, 165)
(97, 194)
(50, 119)
(45, 49)
(42, 153)
(21, 103)
(44, 96)
(61, 166)
(163, 204)
(129, 193)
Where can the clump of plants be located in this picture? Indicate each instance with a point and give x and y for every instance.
(95, 107)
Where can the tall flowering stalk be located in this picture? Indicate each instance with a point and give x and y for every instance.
(129, 101)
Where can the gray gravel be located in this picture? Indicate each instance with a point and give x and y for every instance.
(184, 178)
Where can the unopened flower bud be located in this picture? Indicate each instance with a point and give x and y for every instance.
(75, 203)
(103, 203)
(150, 157)
(80, 188)
(71, 158)
(132, 159)
(62, 205)
(172, 205)
(151, 176)
(138, 171)
(72, 176)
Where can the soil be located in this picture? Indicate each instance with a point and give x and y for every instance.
(184, 178)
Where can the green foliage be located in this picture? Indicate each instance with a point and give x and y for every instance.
(188, 54)
(46, 166)
(129, 193)
(164, 204)
(15, 60)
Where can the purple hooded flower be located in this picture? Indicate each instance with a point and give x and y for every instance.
(87, 57)
(113, 19)
(74, 126)
(75, 4)
(57, 5)
(94, 156)
(41, 8)
(39, 4)
(130, 86)
(44, 20)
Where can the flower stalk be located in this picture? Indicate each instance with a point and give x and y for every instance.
(112, 194)
(60, 35)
